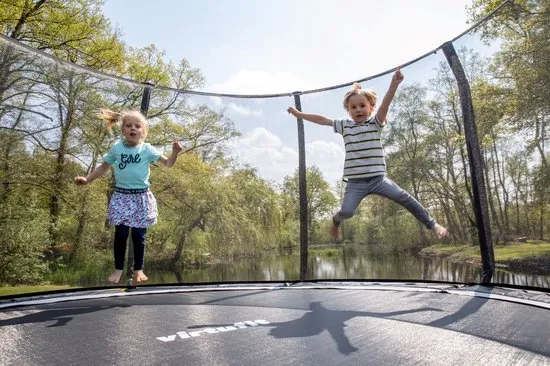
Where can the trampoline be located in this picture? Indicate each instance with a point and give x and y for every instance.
(306, 323)
(298, 322)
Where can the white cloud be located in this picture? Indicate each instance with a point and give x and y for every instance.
(235, 109)
(259, 82)
(243, 111)
(328, 156)
(265, 151)
(261, 137)
(218, 101)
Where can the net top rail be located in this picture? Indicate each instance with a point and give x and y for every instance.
(71, 66)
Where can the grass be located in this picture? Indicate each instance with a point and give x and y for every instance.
(325, 252)
(25, 289)
(64, 277)
(504, 253)
(520, 251)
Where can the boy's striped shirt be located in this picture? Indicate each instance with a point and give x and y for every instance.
(364, 151)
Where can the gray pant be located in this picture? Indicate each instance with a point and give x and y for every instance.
(357, 189)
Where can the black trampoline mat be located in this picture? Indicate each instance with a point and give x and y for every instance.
(281, 326)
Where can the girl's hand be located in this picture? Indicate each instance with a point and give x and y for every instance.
(397, 77)
(294, 112)
(176, 147)
(80, 181)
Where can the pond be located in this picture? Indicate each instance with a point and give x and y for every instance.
(345, 263)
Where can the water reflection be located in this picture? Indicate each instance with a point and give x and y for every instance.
(351, 263)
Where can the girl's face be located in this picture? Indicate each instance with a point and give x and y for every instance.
(133, 130)
(359, 108)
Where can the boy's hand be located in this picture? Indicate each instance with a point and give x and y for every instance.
(294, 112)
(397, 77)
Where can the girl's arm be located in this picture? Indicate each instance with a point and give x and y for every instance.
(170, 161)
(96, 173)
(315, 118)
(385, 105)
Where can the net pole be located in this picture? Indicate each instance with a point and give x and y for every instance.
(481, 210)
(302, 190)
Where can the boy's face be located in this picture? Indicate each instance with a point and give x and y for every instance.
(359, 108)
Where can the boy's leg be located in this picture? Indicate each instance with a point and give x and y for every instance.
(138, 238)
(355, 191)
(119, 251)
(388, 188)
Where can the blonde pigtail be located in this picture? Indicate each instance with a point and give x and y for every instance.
(110, 118)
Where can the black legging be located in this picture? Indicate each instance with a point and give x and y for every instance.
(138, 238)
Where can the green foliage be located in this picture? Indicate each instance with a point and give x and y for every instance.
(94, 272)
(213, 209)
(320, 200)
(73, 30)
(24, 237)
(400, 232)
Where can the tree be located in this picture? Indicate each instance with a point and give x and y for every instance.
(407, 135)
(523, 67)
(320, 200)
(77, 32)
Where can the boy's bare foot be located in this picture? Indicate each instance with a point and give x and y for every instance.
(440, 231)
(140, 276)
(115, 276)
(334, 231)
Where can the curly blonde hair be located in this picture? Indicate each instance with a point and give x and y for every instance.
(110, 118)
(358, 90)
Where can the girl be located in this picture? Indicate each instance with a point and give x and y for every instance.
(365, 166)
(132, 205)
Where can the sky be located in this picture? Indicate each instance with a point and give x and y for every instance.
(265, 47)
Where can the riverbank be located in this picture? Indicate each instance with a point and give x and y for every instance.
(26, 289)
(329, 261)
(532, 257)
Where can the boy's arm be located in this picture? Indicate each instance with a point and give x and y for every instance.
(315, 118)
(385, 105)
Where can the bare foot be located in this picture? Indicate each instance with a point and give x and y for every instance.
(440, 231)
(140, 276)
(115, 276)
(334, 231)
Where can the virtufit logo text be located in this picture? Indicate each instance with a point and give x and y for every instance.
(212, 330)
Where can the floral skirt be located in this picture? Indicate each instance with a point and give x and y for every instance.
(134, 208)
